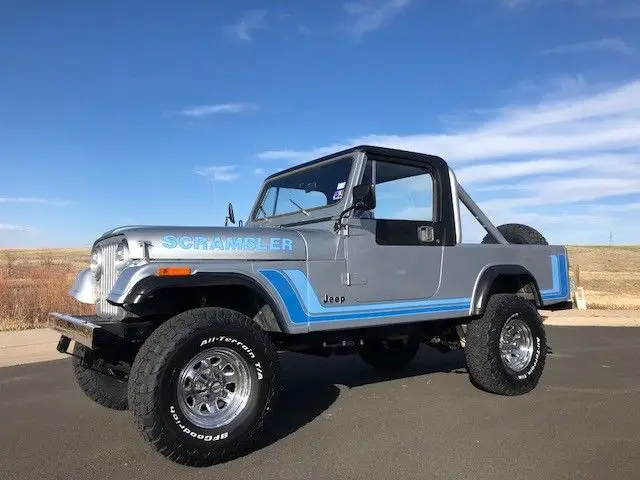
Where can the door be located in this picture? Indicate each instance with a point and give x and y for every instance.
(395, 251)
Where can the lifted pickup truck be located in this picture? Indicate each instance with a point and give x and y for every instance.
(356, 252)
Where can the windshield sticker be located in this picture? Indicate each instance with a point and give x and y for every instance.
(338, 194)
(341, 185)
(188, 242)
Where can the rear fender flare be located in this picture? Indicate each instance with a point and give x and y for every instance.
(486, 279)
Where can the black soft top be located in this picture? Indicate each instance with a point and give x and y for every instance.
(369, 150)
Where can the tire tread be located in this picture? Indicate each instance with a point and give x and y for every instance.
(148, 368)
(485, 367)
(106, 391)
(517, 233)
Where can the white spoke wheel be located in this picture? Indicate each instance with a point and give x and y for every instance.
(506, 348)
(516, 344)
(203, 384)
(214, 387)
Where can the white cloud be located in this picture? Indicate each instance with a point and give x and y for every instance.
(369, 16)
(565, 191)
(243, 29)
(494, 172)
(207, 110)
(606, 120)
(559, 87)
(516, 4)
(626, 11)
(623, 208)
(218, 173)
(616, 45)
(259, 171)
(557, 157)
(305, 31)
(14, 228)
(513, 3)
(503, 171)
(35, 200)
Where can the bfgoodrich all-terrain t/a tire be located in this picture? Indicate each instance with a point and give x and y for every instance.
(506, 348)
(106, 390)
(202, 385)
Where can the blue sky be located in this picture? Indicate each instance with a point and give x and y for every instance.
(124, 113)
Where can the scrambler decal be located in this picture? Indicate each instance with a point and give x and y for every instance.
(199, 436)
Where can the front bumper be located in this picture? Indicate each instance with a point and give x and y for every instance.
(96, 332)
(79, 329)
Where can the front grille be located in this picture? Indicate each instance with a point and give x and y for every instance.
(107, 279)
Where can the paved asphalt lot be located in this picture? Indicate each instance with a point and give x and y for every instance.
(339, 419)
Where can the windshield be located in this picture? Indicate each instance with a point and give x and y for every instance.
(308, 189)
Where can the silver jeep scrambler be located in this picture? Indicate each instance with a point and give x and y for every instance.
(356, 252)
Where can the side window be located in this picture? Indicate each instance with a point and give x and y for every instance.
(403, 192)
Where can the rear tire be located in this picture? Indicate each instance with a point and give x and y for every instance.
(106, 390)
(390, 355)
(203, 384)
(506, 348)
(516, 233)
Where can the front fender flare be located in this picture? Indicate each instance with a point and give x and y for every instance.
(134, 286)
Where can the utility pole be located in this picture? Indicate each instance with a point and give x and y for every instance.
(610, 238)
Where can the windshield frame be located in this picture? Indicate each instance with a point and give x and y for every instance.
(338, 206)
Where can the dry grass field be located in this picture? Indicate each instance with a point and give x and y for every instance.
(609, 275)
(35, 282)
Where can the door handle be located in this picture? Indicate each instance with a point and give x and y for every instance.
(425, 233)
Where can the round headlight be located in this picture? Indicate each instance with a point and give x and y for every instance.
(122, 255)
(96, 262)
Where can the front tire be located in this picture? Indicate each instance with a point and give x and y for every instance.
(506, 348)
(106, 390)
(203, 384)
(390, 354)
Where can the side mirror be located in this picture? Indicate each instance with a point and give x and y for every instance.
(364, 197)
(230, 216)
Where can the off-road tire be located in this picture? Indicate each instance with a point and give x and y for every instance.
(390, 355)
(154, 376)
(517, 233)
(482, 349)
(106, 390)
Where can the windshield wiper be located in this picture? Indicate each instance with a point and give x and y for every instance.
(301, 209)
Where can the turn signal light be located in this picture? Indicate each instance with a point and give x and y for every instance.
(173, 271)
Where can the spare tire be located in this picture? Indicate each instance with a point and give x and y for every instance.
(518, 234)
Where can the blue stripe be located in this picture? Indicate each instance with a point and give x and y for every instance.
(296, 297)
(303, 306)
(312, 305)
(560, 281)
